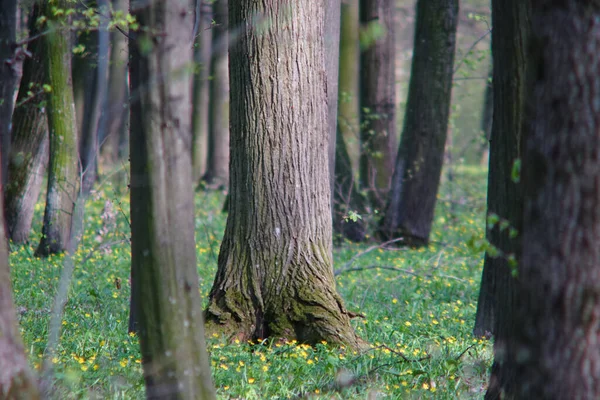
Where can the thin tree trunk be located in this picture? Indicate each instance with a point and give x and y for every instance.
(16, 379)
(378, 100)
(115, 107)
(10, 70)
(487, 116)
(511, 19)
(411, 203)
(332, 59)
(62, 125)
(555, 351)
(275, 273)
(217, 172)
(202, 56)
(166, 305)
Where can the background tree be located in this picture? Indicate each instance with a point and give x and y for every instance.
(165, 302)
(553, 349)
(411, 203)
(217, 170)
(377, 99)
(511, 22)
(62, 126)
(201, 83)
(275, 276)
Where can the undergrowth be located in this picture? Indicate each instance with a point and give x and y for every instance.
(418, 307)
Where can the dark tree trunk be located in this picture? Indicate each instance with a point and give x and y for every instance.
(511, 20)
(115, 107)
(346, 195)
(411, 203)
(487, 116)
(377, 100)
(62, 125)
(10, 67)
(275, 276)
(332, 52)
(202, 50)
(166, 305)
(554, 351)
(217, 171)
(16, 379)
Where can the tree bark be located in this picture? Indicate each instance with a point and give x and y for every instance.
(411, 204)
(16, 379)
(554, 351)
(275, 275)
(377, 101)
(487, 116)
(62, 125)
(201, 99)
(332, 58)
(511, 21)
(217, 172)
(166, 306)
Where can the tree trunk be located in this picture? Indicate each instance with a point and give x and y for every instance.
(62, 125)
(510, 19)
(346, 195)
(487, 116)
(10, 67)
(93, 120)
(202, 50)
(115, 106)
(411, 203)
(217, 173)
(554, 350)
(275, 275)
(16, 379)
(377, 100)
(166, 305)
(332, 58)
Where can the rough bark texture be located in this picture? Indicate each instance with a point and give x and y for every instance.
(166, 304)
(332, 51)
(346, 195)
(10, 66)
(555, 351)
(411, 203)
(115, 108)
(16, 379)
(29, 147)
(217, 171)
(378, 101)
(510, 20)
(202, 50)
(275, 275)
(497, 295)
(62, 126)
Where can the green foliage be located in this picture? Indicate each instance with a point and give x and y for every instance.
(418, 311)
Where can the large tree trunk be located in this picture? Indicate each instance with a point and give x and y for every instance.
(166, 305)
(62, 125)
(504, 199)
(411, 203)
(377, 100)
(332, 52)
(346, 195)
(16, 379)
(275, 273)
(217, 171)
(201, 99)
(554, 349)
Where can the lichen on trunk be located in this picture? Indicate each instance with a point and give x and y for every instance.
(275, 275)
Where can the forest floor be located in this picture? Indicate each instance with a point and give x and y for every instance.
(419, 308)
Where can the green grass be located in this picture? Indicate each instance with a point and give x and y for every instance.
(418, 313)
